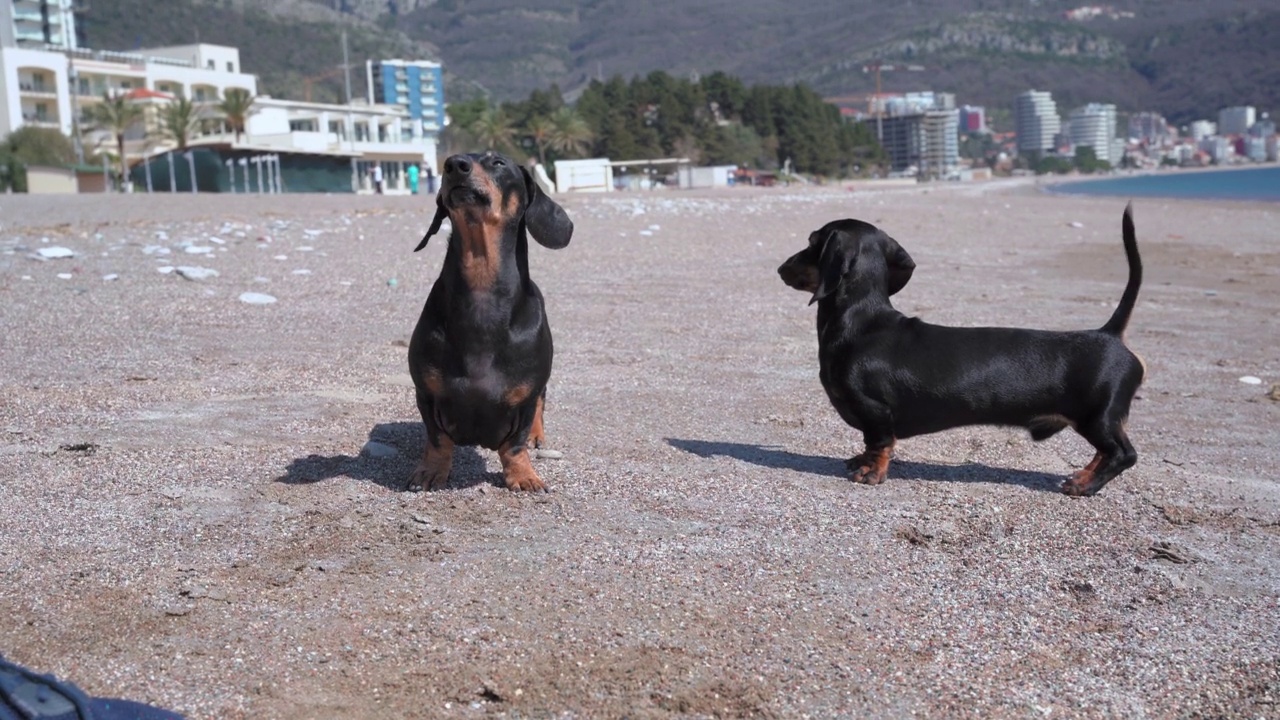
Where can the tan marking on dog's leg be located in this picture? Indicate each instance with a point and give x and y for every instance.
(517, 470)
(433, 380)
(872, 466)
(1141, 361)
(537, 436)
(1083, 477)
(433, 469)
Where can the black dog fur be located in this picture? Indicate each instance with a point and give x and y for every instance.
(892, 376)
(481, 353)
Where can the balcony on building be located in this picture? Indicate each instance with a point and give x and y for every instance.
(37, 83)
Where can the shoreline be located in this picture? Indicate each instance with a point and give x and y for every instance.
(1177, 175)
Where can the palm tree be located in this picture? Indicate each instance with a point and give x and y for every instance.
(492, 129)
(235, 107)
(539, 131)
(116, 114)
(179, 120)
(570, 134)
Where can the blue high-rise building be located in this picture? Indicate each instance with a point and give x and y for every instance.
(417, 85)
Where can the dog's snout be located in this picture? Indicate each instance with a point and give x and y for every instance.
(458, 164)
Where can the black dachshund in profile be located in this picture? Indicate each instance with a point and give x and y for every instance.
(892, 376)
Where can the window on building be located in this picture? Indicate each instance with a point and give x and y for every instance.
(42, 111)
(337, 128)
(302, 125)
(211, 65)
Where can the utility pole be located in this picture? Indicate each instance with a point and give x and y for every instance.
(351, 123)
(73, 81)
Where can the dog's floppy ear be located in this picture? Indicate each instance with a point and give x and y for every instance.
(833, 264)
(547, 221)
(441, 214)
(900, 265)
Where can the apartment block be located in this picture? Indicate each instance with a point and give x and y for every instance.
(1201, 129)
(921, 144)
(416, 85)
(54, 88)
(973, 119)
(39, 24)
(1094, 125)
(1036, 121)
(1149, 127)
(1236, 120)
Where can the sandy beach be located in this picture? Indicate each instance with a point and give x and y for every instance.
(206, 420)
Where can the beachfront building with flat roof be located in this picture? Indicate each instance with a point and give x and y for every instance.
(415, 85)
(1036, 121)
(320, 147)
(56, 88)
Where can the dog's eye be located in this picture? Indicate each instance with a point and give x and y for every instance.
(498, 163)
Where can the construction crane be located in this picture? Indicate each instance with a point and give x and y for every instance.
(306, 81)
(873, 105)
(879, 67)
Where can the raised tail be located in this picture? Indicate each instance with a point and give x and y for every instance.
(1120, 318)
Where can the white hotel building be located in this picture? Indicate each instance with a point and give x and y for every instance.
(47, 81)
(1094, 125)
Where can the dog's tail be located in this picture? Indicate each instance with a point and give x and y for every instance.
(1120, 318)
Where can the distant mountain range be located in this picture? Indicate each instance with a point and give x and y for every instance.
(1184, 58)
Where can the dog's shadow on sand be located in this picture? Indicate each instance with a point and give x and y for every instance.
(774, 457)
(389, 471)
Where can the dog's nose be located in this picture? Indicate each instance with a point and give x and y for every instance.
(457, 164)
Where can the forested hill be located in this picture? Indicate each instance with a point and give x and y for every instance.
(1185, 58)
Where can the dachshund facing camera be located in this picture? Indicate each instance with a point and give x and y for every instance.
(892, 376)
(481, 353)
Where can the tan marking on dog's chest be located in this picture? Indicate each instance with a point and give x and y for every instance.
(517, 395)
(480, 253)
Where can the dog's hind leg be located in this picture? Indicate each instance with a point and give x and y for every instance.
(1115, 455)
(872, 466)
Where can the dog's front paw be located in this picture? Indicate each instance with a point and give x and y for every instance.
(529, 482)
(518, 472)
(428, 477)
